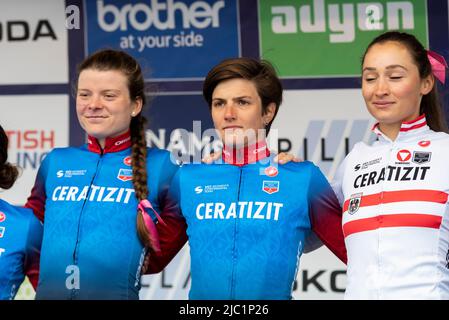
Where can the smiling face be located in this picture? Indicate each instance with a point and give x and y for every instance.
(391, 85)
(237, 112)
(103, 104)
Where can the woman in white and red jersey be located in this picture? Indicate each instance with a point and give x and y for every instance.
(394, 192)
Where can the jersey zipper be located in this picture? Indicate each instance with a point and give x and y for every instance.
(391, 150)
(75, 251)
(234, 257)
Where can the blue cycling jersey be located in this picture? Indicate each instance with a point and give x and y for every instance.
(247, 225)
(90, 247)
(20, 243)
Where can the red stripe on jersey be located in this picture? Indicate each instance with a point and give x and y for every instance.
(423, 116)
(398, 196)
(416, 126)
(392, 220)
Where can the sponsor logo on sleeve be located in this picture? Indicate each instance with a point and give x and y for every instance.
(2, 231)
(2, 216)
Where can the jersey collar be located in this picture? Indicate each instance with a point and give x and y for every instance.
(114, 144)
(245, 155)
(408, 129)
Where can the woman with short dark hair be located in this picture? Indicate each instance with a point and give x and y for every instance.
(248, 219)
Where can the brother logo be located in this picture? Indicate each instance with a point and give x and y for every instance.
(199, 15)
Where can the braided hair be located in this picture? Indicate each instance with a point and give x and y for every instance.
(106, 60)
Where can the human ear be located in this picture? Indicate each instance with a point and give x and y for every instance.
(427, 84)
(269, 113)
(138, 104)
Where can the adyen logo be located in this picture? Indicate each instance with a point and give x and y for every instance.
(182, 31)
(341, 29)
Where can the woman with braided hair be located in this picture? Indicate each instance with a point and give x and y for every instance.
(90, 197)
(20, 234)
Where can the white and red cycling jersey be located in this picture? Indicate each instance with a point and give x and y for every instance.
(394, 196)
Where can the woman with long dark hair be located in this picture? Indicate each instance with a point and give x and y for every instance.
(394, 192)
(20, 234)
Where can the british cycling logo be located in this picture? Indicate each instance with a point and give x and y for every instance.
(270, 187)
(125, 174)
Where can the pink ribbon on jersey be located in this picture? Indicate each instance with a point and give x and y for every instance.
(149, 223)
(438, 64)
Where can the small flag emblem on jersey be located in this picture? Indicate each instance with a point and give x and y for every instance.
(125, 174)
(2, 231)
(2, 216)
(354, 203)
(270, 186)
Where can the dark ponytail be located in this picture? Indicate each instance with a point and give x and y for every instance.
(8, 172)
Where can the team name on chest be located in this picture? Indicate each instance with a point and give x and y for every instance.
(91, 193)
(391, 173)
(239, 210)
